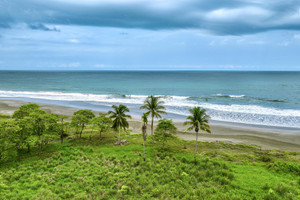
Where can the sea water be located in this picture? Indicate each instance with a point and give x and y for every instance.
(258, 98)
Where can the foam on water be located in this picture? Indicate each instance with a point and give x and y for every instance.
(179, 105)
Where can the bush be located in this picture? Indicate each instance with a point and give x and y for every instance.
(265, 158)
(285, 167)
(5, 116)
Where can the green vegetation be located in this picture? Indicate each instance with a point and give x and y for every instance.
(80, 119)
(98, 169)
(164, 131)
(197, 120)
(94, 167)
(119, 117)
(102, 123)
(154, 107)
(144, 131)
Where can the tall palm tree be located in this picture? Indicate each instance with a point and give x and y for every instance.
(197, 120)
(144, 130)
(154, 107)
(119, 117)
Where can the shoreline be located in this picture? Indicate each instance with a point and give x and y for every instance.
(266, 137)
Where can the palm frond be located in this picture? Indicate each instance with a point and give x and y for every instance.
(199, 119)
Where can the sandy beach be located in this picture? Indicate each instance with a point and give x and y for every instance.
(266, 137)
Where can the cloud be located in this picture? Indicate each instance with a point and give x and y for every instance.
(231, 17)
(257, 42)
(284, 44)
(70, 65)
(103, 66)
(42, 27)
(73, 41)
(4, 25)
(297, 36)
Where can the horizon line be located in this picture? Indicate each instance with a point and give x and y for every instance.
(141, 70)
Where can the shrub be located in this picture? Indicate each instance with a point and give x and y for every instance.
(285, 167)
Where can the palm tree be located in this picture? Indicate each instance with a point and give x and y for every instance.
(144, 130)
(197, 120)
(119, 117)
(154, 107)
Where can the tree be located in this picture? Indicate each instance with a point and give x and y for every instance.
(164, 131)
(80, 119)
(119, 117)
(198, 120)
(24, 134)
(8, 134)
(52, 127)
(62, 126)
(29, 118)
(154, 107)
(144, 130)
(44, 126)
(31, 125)
(25, 110)
(102, 122)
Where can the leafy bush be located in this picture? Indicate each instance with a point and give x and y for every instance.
(285, 167)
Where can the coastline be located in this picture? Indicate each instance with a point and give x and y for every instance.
(265, 137)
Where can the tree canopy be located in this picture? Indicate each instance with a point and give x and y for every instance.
(165, 130)
(154, 107)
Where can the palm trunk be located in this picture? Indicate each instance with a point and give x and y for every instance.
(144, 150)
(152, 126)
(119, 134)
(62, 131)
(196, 145)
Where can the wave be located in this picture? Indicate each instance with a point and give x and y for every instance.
(230, 96)
(254, 114)
(272, 100)
(240, 98)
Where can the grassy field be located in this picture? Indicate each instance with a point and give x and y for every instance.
(97, 169)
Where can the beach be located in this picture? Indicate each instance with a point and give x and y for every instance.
(263, 137)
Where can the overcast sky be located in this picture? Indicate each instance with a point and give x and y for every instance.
(150, 34)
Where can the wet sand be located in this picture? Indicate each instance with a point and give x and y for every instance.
(266, 138)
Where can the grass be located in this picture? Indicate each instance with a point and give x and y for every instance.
(97, 169)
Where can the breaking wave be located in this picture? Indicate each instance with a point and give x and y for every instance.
(179, 105)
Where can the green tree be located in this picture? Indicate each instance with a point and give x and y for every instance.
(80, 120)
(63, 126)
(102, 122)
(24, 134)
(198, 120)
(119, 117)
(29, 118)
(8, 130)
(25, 110)
(52, 127)
(154, 107)
(144, 130)
(164, 131)
(44, 126)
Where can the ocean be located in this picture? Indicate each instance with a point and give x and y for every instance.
(254, 98)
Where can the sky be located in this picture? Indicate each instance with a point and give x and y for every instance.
(150, 35)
